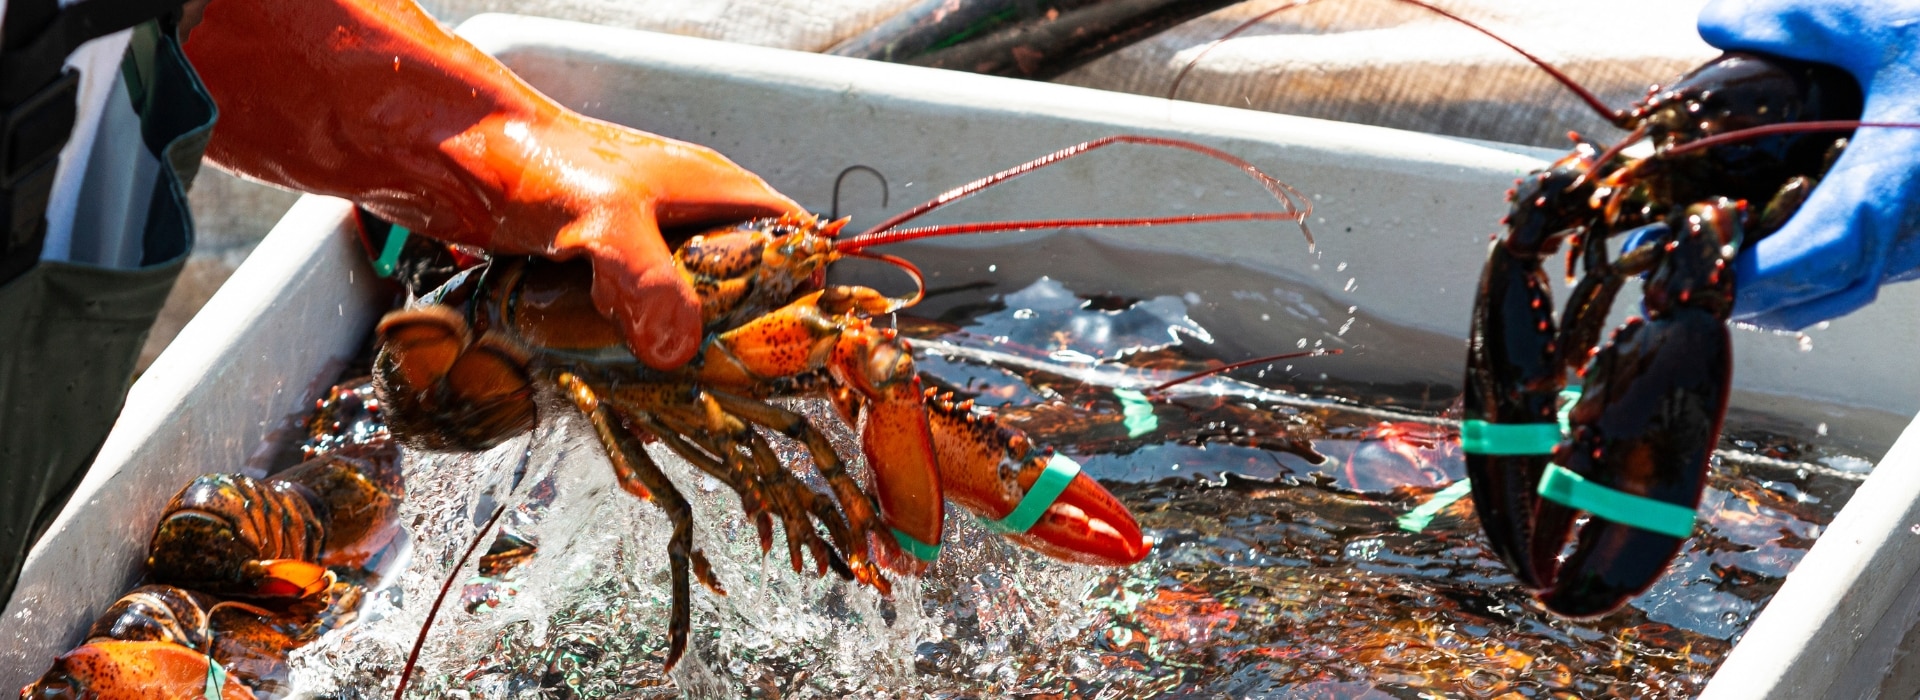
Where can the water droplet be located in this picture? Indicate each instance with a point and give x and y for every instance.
(1821, 430)
(1301, 344)
(1806, 342)
(1364, 550)
(1821, 326)
(1342, 267)
(1265, 317)
(993, 268)
(1730, 617)
(1353, 309)
(1345, 326)
(1915, 529)
(1350, 281)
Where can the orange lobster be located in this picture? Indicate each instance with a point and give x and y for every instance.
(466, 379)
(166, 642)
(232, 535)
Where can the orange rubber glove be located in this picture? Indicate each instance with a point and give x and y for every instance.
(374, 101)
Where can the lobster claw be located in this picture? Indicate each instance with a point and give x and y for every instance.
(116, 670)
(1084, 524)
(1039, 500)
(1644, 430)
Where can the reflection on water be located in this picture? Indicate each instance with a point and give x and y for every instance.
(1280, 570)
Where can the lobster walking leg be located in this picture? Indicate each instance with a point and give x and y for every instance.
(795, 426)
(724, 430)
(822, 331)
(640, 476)
(1645, 427)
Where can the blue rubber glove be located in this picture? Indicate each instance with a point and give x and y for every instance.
(1860, 228)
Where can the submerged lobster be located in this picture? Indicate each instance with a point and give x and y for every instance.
(462, 373)
(163, 642)
(233, 535)
(1643, 429)
(228, 535)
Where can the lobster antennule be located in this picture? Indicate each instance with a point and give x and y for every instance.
(1243, 363)
(1297, 205)
(901, 235)
(919, 279)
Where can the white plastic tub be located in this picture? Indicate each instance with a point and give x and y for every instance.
(1402, 220)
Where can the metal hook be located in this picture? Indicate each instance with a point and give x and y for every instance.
(835, 214)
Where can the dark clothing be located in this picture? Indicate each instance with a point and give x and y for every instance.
(70, 333)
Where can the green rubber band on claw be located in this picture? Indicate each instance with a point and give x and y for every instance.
(1046, 489)
(216, 680)
(1483, 438)
(1419, 518)
(389, 259)
(1137, 412)
(1519, 439)
(919, 550)
(1561, 485)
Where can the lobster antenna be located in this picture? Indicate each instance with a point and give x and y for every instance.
(413, 657)
(1774, 129)
(1249, 24)
(912, 234)
(1243, 363)
(1297, 205)
(1619, 118)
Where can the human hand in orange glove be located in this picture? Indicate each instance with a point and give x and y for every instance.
(374, 101)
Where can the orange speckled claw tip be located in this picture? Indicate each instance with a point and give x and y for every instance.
(117, 670)
(1087, 525)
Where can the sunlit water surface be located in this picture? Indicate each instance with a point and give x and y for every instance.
(1275, 573)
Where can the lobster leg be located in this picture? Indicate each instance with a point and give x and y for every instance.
(639, 475)
(879, 367)
(1646, 426)
(851, 497)
(990, 469)
(720, 431)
